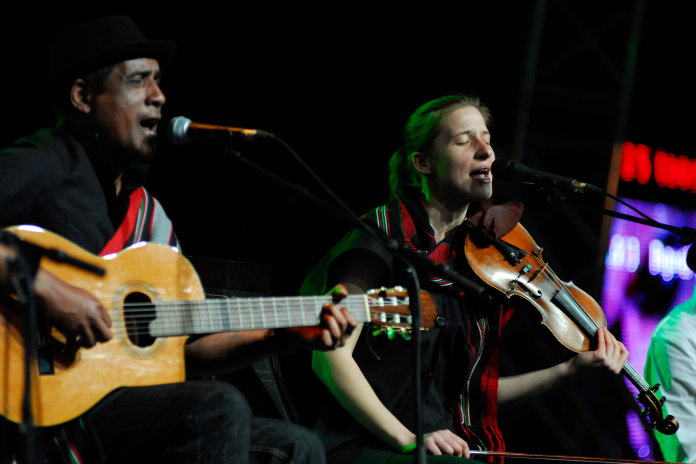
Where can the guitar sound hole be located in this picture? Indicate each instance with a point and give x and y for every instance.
(139, 312)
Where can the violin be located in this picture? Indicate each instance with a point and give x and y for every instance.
(513, 265)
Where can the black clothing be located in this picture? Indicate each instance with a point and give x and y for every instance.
(63, 181)
(459, 358)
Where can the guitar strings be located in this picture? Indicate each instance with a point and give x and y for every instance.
(277, 305)
(179, 314)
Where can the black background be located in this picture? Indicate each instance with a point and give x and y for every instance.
(337, 81)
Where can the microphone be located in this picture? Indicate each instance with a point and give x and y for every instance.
(183, 130)
(511, 171)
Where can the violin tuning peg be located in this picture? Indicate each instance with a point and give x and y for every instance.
(655, 388)
(662, 401)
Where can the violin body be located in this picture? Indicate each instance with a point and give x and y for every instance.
(535, 286)
(513, 266)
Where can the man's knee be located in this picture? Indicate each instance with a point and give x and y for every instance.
(280, 441)
(224, 401)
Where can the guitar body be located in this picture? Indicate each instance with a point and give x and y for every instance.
(81, 377)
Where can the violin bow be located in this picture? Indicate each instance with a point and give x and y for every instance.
(550, 457)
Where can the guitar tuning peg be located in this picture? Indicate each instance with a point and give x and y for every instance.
(390, 334)
(379, 330)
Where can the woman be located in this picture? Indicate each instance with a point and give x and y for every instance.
(444, 166)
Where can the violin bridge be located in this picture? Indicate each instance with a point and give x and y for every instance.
(536, 274)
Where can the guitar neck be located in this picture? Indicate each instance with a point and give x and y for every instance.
(236, 314)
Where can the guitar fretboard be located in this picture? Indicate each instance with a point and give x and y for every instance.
(233, 314)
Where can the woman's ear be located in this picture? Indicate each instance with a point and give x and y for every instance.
(421, 163)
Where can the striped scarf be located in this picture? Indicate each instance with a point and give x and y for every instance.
(145, 221)
(404, 219)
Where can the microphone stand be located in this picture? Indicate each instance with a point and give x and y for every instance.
(22, 269)
(687, 234)
(414, 261)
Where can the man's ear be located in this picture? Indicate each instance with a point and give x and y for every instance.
(81, 96)
(421, 163)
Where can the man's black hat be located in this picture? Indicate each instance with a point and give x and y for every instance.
(93, 45)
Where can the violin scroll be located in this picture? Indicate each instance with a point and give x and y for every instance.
(668, 426)
(653, 413)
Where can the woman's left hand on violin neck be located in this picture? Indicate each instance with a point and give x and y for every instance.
(610, 356)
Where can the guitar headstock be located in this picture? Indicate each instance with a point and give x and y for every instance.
(389, 311)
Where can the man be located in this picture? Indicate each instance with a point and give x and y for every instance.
(75, 180)
(671, 363)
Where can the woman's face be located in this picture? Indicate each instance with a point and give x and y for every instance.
(461, 158)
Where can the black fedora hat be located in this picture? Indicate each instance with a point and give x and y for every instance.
(102, 42)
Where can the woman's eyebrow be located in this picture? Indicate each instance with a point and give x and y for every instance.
(468, 131)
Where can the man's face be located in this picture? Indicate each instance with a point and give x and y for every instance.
(462, 157)
(130, 109)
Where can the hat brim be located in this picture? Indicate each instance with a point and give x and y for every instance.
(160, 50)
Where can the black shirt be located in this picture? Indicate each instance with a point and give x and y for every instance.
(459, 359)
(62, 180)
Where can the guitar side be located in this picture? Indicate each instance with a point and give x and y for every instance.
(83, 376)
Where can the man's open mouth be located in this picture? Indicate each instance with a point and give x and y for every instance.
(149, 125)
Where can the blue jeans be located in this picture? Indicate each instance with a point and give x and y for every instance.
(195, 422)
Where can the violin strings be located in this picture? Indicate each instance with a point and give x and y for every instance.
(561, 287)
(631, 372)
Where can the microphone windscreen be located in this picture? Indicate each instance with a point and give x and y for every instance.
(504, 170)
(176, 130)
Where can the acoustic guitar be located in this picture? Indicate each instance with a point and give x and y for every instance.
(155, 299)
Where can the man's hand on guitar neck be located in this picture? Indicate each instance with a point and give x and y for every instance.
(225, 352)
(335, 327)
(74, 312)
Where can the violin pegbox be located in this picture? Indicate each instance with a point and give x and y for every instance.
(390, 313)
